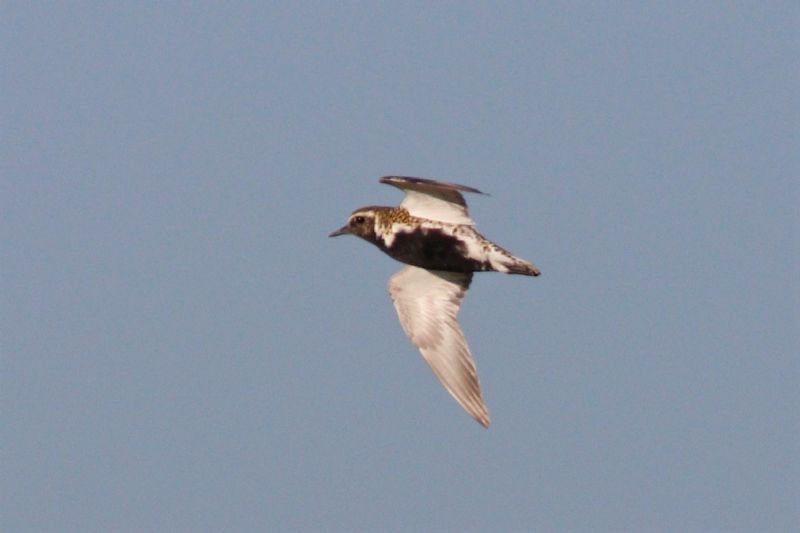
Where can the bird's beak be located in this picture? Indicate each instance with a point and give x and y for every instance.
(344, 230)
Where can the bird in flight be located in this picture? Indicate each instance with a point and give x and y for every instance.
(432, 232)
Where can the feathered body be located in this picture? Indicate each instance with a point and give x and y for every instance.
(434, 245)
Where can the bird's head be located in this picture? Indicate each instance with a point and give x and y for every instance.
(361, 224)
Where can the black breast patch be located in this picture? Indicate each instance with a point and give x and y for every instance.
(433, 249)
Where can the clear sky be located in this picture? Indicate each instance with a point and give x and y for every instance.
(184, 349)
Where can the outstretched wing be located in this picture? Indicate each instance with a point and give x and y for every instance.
(434, 200)
(427, 303)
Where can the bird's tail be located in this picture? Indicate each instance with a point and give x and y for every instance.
(520, 266)
(502, 260)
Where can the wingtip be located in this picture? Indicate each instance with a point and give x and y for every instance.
(480, 414)
(399, 181)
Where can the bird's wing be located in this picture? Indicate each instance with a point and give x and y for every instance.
(434, 200)
(427, 303)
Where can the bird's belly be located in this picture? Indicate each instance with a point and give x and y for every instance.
(434, 249)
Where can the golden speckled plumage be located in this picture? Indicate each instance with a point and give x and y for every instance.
(386, 216)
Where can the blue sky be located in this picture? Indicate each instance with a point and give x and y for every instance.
(183, 348)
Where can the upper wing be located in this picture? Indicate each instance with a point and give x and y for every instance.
(434, 200)
(427, 302)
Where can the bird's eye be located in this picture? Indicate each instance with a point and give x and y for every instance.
(359, 220)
